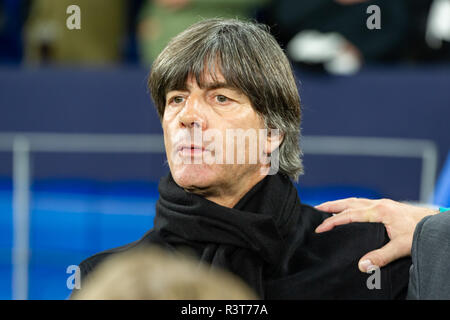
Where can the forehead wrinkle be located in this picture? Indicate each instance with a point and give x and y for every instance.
(209, 81)
(218, 85)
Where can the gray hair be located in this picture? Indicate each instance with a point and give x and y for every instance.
(250, 60)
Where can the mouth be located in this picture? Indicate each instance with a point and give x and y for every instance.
(191, 150)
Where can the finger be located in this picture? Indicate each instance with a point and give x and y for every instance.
(381, 257)
(349, 216)
(339, 205)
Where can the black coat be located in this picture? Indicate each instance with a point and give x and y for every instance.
(323, 266)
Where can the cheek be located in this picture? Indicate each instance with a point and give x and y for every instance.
(246, 118)
(169, 118)
(168, 133)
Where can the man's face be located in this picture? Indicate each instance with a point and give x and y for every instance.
(208, 113)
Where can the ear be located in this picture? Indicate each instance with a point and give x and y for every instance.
(273, 141)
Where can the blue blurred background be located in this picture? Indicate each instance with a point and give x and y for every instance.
(376, 113)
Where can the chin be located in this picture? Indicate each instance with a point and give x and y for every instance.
(194, 176)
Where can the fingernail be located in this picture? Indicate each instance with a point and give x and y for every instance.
(367, 265)
(319, 228)
(371, 268)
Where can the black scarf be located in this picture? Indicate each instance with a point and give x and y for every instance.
(248, 239)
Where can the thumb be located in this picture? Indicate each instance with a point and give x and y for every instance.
(381, 257)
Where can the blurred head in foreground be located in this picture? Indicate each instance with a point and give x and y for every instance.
(154, 274)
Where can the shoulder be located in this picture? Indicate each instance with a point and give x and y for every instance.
(88, 265)
(431, 237)
(370, 233)
(343, 244)
(325, 265)
(437, 225)
(353, 238)
(430, 258)
(91, 263)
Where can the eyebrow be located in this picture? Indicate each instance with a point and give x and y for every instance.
(211, 86)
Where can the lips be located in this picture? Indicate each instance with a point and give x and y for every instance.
(191, 150)
(191, 147)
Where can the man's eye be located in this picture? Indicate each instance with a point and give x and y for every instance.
(221, 99)
(177, 99)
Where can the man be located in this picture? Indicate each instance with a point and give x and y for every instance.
(227, 78)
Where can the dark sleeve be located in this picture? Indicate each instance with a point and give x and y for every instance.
(431, 258)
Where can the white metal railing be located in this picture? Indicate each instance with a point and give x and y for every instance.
(23, 144)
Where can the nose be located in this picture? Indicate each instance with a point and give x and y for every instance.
(192, 115)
